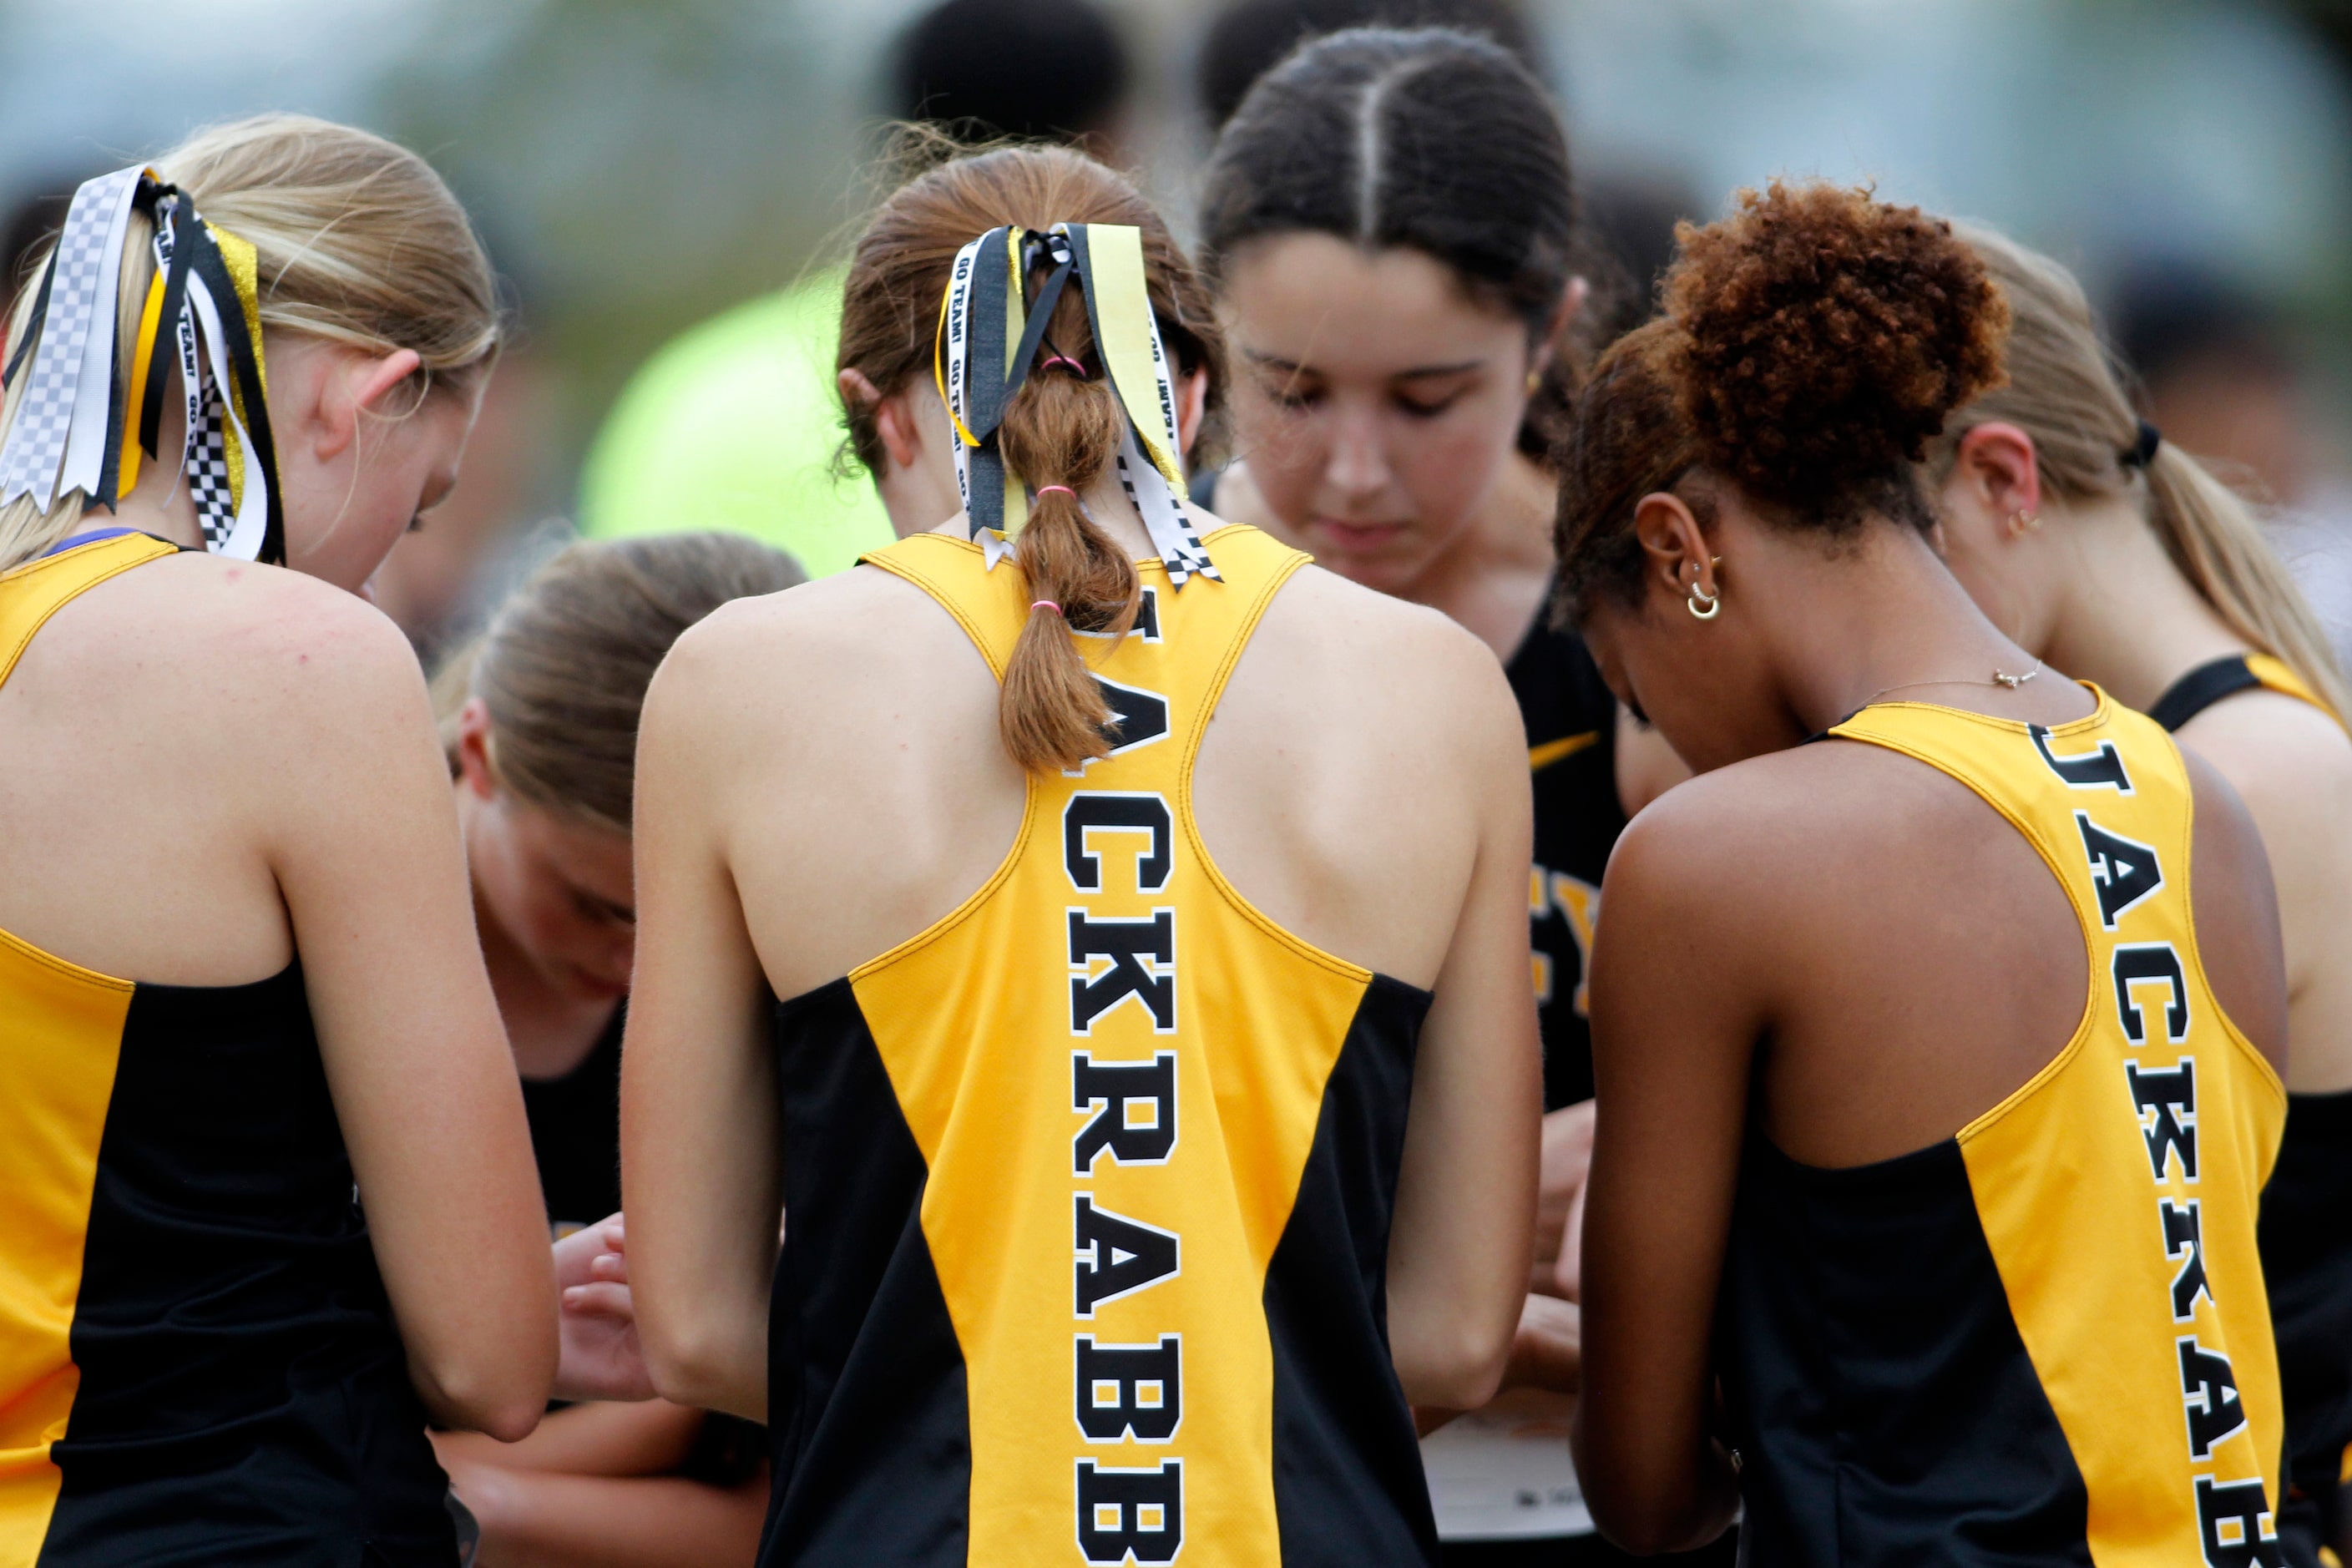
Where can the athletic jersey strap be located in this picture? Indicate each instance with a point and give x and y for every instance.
(2209, 683)
(32, 593)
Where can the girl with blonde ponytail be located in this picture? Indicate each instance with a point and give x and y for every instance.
(271, 1206)
(2117, 558)
(1106, 1219)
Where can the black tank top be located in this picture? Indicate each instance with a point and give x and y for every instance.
(1572, 722)
(575, 1133)
(2307, 1224)
(201, 1366)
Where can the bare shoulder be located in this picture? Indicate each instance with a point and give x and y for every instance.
(1416, 664)
(1784, 830)
(2290, 762)
(803, 651)
(262, 647)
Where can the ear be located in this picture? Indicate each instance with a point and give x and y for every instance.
(1563, 315)
(356, 383)
(474, 748)
(1994, 471)
(1191, 407)
(1675, 545)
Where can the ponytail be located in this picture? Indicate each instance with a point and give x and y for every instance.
(1060, 434)
(2213, 538)
(2065, 390)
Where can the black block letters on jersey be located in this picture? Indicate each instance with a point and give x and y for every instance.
(2139, 963)
(2209, 1391)
(1124, 1391)
(1122, 1511)
(1137, 717)
(1131, 1140)
(2123, 872)
(1117, 812)
(2183, 1240)
(2234, 1517)
(1142, 955)
(2102, 769)
(1136, 1389)
(1118, 1256)
(2168, 1114)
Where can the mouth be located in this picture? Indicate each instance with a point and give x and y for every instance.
(1359, 536)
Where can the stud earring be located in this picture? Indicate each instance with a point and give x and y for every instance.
(1535, 381)
(2022, 522)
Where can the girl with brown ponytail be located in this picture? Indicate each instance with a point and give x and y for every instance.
(1934, 1105)
(1088, 1105)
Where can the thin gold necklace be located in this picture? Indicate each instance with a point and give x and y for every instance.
(2000, 678)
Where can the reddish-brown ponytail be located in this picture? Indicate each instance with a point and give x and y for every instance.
(1061, 429)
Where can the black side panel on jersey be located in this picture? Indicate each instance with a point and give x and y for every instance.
(2200, 688)
(1879, 1393)
(244, 1395)
(1563, 700)
(1349, 1488)
(866, 1381)
(2306, 1243)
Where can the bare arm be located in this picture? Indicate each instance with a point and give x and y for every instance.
(1459, 1250)
(1672, 1058)
(700, 1164)
(365, 850)
(537, 1519)
(2290, 770)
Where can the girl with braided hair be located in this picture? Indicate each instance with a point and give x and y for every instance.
(1138, 878)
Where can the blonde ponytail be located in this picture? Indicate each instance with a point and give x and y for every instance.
(2065, 390)
(357, 240)
(2212, 536)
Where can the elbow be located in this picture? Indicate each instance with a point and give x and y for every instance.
(1460, 1370)
(687, 1366)
(496, 1403)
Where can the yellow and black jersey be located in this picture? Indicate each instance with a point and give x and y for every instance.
(1090, 1182)
(197, 1363)
(1571, 725)
(2045, 1340)
(2307, 1232)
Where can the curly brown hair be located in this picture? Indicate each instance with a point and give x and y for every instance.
(1812, 344)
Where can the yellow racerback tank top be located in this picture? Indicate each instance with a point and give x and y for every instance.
(2052, 1330)
(1106, 1159)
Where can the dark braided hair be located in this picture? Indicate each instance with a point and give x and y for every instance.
(1431, 140)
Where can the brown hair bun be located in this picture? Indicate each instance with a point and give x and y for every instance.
(1823, 339)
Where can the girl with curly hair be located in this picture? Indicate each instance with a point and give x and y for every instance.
(1935, 1106)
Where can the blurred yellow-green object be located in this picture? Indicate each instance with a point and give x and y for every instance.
(734, 424)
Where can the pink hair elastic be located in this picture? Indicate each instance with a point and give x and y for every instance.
(1046, 489)
(1076, 368)
(1046, 604)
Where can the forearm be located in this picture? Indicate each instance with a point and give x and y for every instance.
(651, 1438)
(536, 1519)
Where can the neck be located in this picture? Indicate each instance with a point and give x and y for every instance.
(1491, 578)
(1107, 507)
(1885, 618)
(159, 504)
(2125, 618)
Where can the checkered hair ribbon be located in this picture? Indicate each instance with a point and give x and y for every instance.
(93, 405)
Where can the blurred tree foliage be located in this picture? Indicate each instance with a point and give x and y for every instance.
(635, 165)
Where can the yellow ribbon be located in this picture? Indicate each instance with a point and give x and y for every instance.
(151, 317)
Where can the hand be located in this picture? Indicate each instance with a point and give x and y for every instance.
(598, 1324)
(1548, 1352)
(1567, 1157)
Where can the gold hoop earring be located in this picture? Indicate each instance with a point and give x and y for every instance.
(1712, 603)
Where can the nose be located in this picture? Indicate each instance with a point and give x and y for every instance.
(1358, 465)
